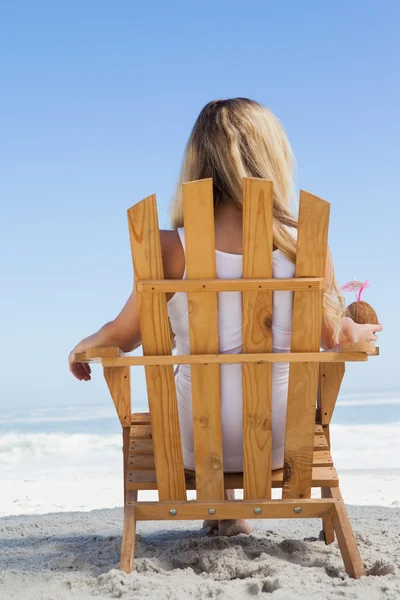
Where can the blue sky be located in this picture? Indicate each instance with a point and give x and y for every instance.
(97, 101)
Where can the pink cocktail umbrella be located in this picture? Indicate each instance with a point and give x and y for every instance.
(355, 286)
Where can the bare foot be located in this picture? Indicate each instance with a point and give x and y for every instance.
(211, 525)
(229, 528)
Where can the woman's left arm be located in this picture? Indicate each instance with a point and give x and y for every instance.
(123, 332)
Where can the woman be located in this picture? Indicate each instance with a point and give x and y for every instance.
(232, 139)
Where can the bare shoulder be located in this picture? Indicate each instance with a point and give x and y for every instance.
(172, 254)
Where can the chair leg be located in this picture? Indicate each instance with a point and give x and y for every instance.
(125, 448)
(345, 536)
(128, 539)
(130, 498)
(327, 523)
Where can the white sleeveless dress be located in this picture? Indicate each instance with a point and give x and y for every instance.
(229, 266)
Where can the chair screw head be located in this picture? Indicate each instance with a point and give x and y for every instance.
(211, 511)
(172, 512)
(257, 511)
(297, 509)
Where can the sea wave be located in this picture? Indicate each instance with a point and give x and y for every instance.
(369, 398)
(369, 401)
(353, 447)
(366, 447)
(48, 450)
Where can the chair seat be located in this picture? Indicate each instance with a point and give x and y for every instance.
(141, 467)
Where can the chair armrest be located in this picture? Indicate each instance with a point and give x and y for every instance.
(367, 347)
(96, 354)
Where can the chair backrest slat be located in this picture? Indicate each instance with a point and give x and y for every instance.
(257, 337)
(203, 332)
(312, 243)
(156, 339)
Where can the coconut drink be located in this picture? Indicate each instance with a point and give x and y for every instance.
(360, 311)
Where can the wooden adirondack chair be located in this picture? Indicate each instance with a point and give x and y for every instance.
(151, 442)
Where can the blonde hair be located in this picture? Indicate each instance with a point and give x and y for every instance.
(237, 138)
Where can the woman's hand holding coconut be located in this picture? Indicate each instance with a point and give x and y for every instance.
(361, 321)
(359, 332)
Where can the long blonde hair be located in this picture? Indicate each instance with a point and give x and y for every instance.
(237, 138)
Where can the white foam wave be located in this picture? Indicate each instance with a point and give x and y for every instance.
(37, 445)
(47, 455)
(369, 402)
(353, 447)
(366, 447)
(369, 399)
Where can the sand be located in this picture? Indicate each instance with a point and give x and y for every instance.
(75, 555)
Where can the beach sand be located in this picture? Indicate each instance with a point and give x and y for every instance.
(76, 555)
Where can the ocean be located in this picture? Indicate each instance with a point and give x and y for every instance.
(70, 457)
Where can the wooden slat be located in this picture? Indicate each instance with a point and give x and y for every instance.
(239, 509)
(140, 418)
(330, 380)
(141, 461)
(321, 476)
(257, 337)
(322, 458)
(203, 334)
(142, 477)
(118, 382)
(226, 359)
(107, 352)
(324, 476)
(320, 442)
(96, 354)
(142, 446)
(367, 347)
(156, 339)
(145, 461)
(312, 246)
(145, 446)
(355, 352)
(141, 431)
(231, 285)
